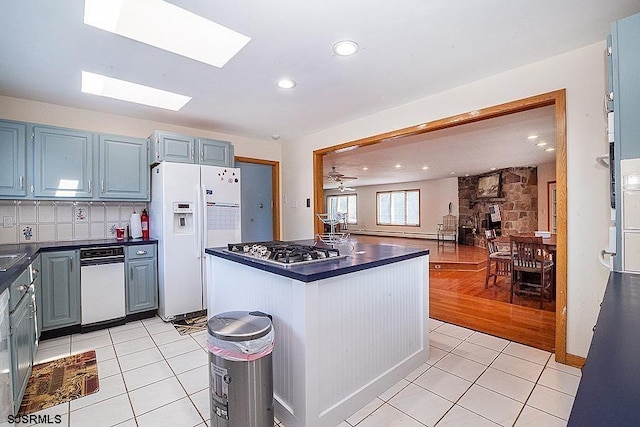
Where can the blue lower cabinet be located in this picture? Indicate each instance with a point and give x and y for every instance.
(21, 344)
(60, 289)
(142, 279)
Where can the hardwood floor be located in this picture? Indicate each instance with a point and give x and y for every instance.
(457, 295)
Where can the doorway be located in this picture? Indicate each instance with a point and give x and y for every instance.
(557, 99)
(260, 194)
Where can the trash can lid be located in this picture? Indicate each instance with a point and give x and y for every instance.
(239, 325)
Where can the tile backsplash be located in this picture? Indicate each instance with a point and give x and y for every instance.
(47, 221)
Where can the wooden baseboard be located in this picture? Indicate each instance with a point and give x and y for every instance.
(575, 361)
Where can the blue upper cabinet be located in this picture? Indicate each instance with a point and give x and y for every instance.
(170, 147)
(626, 85)
(62, 163)
(123, 169)
(215, 153)
(13, 148)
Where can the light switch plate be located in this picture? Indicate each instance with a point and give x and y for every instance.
(7, 221)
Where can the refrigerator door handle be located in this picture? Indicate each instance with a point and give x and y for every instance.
(198, 223)
(205, 219)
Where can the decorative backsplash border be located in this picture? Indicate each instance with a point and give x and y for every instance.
(48, 221)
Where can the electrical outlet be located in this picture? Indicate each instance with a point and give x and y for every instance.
(7, 221)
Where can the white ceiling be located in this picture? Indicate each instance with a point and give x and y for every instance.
(409, 49)
(472, 149)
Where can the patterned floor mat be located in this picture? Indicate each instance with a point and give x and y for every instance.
(60, 381)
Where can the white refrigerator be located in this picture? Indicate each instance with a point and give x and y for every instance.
(192, 207)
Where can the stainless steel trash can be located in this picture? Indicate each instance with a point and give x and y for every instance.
(240, 369)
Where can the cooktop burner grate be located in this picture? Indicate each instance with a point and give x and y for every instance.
(284, 253)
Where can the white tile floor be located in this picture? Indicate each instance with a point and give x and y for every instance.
(152, 376)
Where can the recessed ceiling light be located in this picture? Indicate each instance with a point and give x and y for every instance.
(466, 174)
(398, 166)
(275, 137)
(345, 48)
(541, 144)
(166, 26)
(532, 137)
(550, 149)
(424, 168)
(365, 168)
(452, 173)
(97, 84)
(492, 169)
(285, 83)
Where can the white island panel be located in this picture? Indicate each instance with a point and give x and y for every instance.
(340, 341)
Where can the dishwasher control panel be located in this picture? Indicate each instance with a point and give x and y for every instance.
(101, 255)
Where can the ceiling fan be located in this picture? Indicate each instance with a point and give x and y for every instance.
(337, 176)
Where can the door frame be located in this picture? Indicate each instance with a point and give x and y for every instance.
(556, 98)
(551, 187)
(275, 188)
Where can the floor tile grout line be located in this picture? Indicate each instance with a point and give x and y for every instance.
(177, 379)
(479, 385)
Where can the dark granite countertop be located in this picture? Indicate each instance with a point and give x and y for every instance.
(362, 257)
(32, 249)
(608, 394)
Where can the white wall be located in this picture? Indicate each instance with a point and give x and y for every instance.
(56, 115)
(582, 73)
(435, 196)
(546, 174)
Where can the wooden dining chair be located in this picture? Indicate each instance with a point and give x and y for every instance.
(531, 268)
(498, 262)
(449, 227)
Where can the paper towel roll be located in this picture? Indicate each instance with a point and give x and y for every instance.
(135, 226)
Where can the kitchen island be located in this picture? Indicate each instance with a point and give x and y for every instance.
(345, 329)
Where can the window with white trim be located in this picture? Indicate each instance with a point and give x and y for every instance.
(398, 207)
(344, 204)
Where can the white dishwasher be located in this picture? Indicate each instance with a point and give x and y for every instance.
(102, 293)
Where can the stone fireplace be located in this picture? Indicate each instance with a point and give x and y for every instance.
(517, 201)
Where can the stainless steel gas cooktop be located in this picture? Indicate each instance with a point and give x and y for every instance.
(284, 253)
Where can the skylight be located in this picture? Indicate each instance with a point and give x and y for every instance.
(97, 84)
(168, 27)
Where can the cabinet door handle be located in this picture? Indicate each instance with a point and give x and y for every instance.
(102, 185)
(23, 288)
(70, 263)
(141, 252)
(21, 182)
(89, 186)
(201, 153)
(192, 149)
